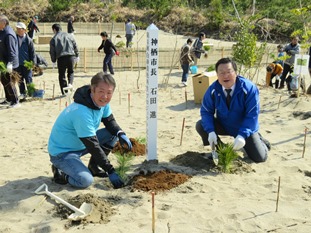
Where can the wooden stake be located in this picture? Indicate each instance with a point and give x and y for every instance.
(129, 102)
(279, 101)
(182, 130)
(43, 85)
(278, 196)
(304, 143)
(53, 92)
(186, 97)
(42, 200)
(153, 217)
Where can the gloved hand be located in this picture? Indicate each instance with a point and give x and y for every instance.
(116, 180)
(239, 143)
(53, 65)
(212, 138)
(124, 141)
(117, 53)
(77, 59)
(9, 67)
(277, 77)
(191, 63)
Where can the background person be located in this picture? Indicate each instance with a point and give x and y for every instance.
(70, 28)
(291, 49)
(9, 56)
(130, 30)
(75, 133)
(32, 27)
(109, 50)
(26, 52)
(185, 61)
(231, 107)
(64, 50)
(197, 48)
(273, 70)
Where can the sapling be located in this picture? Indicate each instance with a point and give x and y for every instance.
(226, 156)
(124, 162)
(31, 89)
(28, 64)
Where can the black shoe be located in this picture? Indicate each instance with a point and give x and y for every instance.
(96, 171)
(59, 176)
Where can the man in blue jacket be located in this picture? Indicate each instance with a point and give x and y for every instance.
(231, 107)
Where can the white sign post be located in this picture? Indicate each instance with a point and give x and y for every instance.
(301, 66)
(152, 91)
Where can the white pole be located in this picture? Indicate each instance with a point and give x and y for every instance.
(152, 91)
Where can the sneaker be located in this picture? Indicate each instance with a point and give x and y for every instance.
(59, 176)
(22, 97)
(184, 83)
(5, 102)
(15, 105)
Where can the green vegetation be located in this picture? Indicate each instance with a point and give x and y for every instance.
(28, 64)
(31, 89)
(141, 140)
(124, 162)
(2, 67)
(226, 156)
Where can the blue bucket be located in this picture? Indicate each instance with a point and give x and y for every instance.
(193, 69)
(38, 93)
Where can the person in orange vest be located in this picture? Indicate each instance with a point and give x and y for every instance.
(273, 70)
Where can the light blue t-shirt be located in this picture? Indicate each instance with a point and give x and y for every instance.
(76, 121)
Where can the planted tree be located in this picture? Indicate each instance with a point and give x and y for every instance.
(226, 156)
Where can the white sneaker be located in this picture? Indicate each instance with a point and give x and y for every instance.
(184, 83)
(15, 105)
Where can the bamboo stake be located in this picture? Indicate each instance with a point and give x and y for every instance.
(182, 130)
(279, 101)
(186, 97)
(53, 92)
(304, 143)
(129, 102)
(278, 196)
(43, 85)
(153, 217)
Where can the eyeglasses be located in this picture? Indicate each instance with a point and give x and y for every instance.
(225, 73)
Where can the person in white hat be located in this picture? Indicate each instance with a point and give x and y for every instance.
(26, 52)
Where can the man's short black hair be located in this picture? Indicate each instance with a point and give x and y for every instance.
(226, 60)
(104, 34)
(201, 34)
(56, 27)
(189, 40)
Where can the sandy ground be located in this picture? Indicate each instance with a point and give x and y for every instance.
(207, 202)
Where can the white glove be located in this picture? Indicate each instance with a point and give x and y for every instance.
(77, 59)
(9, 67)
(53, 65)
(212, 138)
(277, 77)
(239, 143)
(192, 63)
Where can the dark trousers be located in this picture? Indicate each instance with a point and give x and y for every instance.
(9, 88)
(254, 147)
(26, 76)
(185, 72)
(287, 69)
(129, 38)
(107, 63)
(65, 63)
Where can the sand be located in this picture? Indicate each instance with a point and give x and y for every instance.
(208, 201)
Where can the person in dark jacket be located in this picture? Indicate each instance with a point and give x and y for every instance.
(291, 50)
(26, 52)
(64, 50)
(75, 133)
(32, 27)
(70, 28)
(9, 56)
(197, 48)
(185, 60)
(109, 50)
(231, 107)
